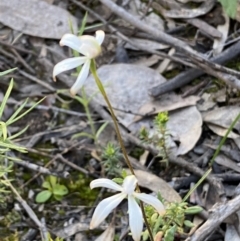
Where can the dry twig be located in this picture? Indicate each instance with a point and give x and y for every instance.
(220, 72)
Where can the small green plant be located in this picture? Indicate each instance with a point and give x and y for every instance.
(172, 222)
(159, 139)
(51, 239)
(53, 189)
(7, 142)
(111, 156)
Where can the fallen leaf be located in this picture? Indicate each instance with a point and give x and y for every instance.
(169, 103)
(108, 234)
(205, 27)
(227, 162)
(36, 18)
(185, 12)
(223, 117)
(127, 88)
(185, 125)
(157, 184)
(222, 131)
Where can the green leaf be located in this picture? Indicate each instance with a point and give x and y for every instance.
(9, 145)
(7, 72)
(188, 224)
(47, 185)
(118, 180)
(82, 134)
(17, 111)
(52, 180)
(18, 133)
(6, 96)
(4, 129)
(58, 197)
(83, 101)
(230, 7)
(100, 130)
(169, 236)
(11, 120)
(124, 173)
(43, 196)
(193, 210)
(60, 190)
(83, 25)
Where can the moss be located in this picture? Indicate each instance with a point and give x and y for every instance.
(170, 74)
(136, 152)
(80, 190)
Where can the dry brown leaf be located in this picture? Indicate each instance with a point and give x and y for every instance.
(227, 162)
(186, 126)
(138, 7)
(222, 131)
(205, 27)
(36, 18)
(108, 234)
(147, 61)
(204, 8)
(157, 184)
(169, 103)
(223, 117)
(127, 88)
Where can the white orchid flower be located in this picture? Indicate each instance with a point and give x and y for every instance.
(86, 45)
(126, 191)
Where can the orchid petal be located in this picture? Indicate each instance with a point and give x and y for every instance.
(103, 182)
(129, 184)
(81, 78)
(135, 218)
(104, 208)
(100, 36)
(68, 64)
(89, 46)
(153, 201)
(71, 41)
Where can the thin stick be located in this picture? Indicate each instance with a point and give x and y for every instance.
(226, 74)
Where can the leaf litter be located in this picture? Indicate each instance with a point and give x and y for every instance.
(194, 119)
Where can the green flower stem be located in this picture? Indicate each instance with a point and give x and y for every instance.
(197, 184)
(89, 117)
(103, 92)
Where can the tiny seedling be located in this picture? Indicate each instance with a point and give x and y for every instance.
(53, 189)
(111, 156)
